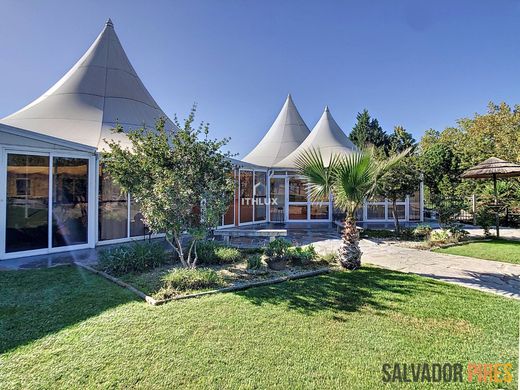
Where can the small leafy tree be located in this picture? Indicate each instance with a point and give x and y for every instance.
(179, 177)
(403, 178)
(399, 181)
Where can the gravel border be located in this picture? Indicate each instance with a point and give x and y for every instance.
(244, 286)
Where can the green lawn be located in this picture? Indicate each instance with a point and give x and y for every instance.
(498, 250)
(67, 328)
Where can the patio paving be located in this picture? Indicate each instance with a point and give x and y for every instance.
(84, 256)
(485, 275)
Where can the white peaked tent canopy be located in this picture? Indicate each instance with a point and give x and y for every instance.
(101, 90)
(286, 133)
(326, 137)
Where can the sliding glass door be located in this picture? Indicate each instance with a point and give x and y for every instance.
(246, 196)
(260, 196)
(47, 202)
(69, 201)
(277, 199)
(252, 196)
(27, 214)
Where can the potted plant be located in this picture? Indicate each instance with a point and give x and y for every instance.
(277, 254)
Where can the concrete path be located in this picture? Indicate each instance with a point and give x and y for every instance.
(491, 276)
(508, 233)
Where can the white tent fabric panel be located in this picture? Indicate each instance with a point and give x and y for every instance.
(327, 137)
(286, 133)
(101, 90)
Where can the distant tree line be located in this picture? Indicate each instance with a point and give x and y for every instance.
(441, 156)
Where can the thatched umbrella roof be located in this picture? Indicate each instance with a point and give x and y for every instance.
(492, 167)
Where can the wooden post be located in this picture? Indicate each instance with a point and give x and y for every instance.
(474, 208)
(497, 216)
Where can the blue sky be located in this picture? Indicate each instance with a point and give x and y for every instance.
(414, 63)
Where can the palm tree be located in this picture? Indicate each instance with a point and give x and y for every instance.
(351, 178)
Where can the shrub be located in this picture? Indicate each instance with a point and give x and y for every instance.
(440, 236)
(277, 250)
(206, 252)
(422, 231)
(227, 255)
(407, 234)
(301, 255)
(377, 233)
(330, 258)
(212, 252)
(134, 258)
(457, 232)
(446, 236)
(252, 251)
(485, 219)
(254, 261)
(188, 279)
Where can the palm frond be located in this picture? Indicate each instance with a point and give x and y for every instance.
(351, 178)
(310, 164)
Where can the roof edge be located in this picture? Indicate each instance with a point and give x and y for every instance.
(46, 138)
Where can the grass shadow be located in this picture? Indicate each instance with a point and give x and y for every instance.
(369, 287)
(36, 303)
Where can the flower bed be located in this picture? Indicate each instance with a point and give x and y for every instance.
(220, 268)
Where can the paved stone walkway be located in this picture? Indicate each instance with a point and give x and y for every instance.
(491, 276)
(508, 233)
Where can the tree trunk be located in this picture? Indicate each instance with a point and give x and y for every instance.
(177, 246)
(396, 217)
(191, 263)
(349, 252)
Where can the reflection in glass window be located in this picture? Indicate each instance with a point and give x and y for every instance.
(27, 216)
(113, 209)
(246, 196)
(415, 206)
(277, 206)
(359, 214)
(400, 210)
(375, 211)
(229, 216)
(260, 196)
(297, 190)
(69, 201)
(137, 225)
(23, 186)
(319, 212)
(297, 212)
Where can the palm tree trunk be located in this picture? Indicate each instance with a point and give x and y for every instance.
(349, 252)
